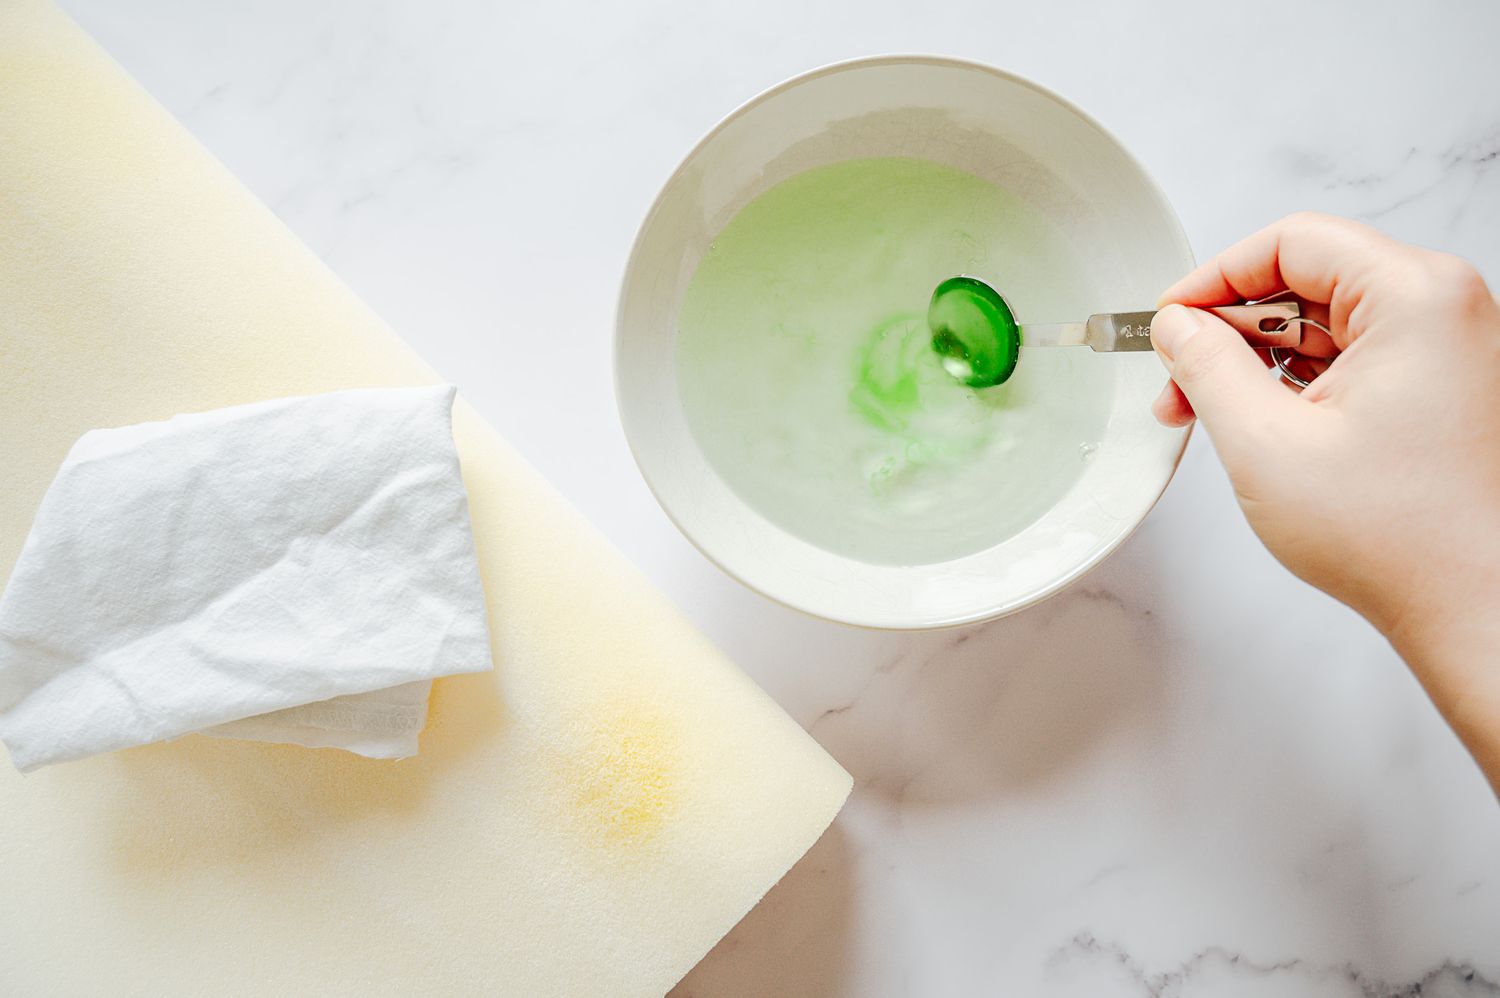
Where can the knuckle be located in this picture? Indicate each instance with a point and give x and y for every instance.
(1457, 282)
(1308, 217)
(1345, 231)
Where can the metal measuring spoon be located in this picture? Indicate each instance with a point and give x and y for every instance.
(976, 333)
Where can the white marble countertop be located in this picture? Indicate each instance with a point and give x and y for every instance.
(1188, 775)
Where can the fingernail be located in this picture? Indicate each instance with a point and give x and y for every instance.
(1173, 327)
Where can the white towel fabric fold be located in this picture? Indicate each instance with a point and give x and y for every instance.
(295, 571)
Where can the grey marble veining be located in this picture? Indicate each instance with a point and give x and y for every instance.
(1214, 969)
(1188, 775)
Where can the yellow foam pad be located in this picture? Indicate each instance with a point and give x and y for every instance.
(587, 820)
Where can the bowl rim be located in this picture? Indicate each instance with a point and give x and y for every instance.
(991, 611)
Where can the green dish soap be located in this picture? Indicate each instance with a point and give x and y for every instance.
(808, 380)
(974, 331)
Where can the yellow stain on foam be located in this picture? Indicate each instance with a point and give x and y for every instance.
(623, 780)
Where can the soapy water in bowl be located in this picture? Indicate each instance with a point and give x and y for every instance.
(808, 378)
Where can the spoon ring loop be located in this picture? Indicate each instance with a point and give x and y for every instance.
(1283, 357)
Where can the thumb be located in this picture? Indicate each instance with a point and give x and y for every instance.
(1220, 375)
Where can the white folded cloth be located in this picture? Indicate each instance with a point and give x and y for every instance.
(296, 570)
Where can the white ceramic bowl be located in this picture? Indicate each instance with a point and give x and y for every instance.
(976, 118)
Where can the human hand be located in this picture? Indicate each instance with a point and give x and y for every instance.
(1380, 483)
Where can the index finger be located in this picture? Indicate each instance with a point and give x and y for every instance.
(1319, 258)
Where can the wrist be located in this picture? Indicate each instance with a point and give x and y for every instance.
(1452, 645)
